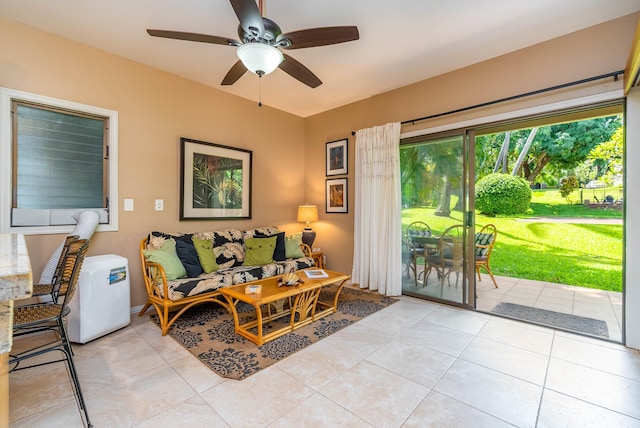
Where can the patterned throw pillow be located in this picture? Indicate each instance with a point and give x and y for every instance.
(228, 247)
(167, 257)
(259, 251)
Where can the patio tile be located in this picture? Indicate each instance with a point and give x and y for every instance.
(579, 301)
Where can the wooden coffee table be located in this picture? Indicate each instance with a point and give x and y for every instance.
(299, 302)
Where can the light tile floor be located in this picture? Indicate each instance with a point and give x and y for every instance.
(413, 364)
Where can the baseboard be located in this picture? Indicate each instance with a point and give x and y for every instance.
(136, 309)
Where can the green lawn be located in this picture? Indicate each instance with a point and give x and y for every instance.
(587, 255)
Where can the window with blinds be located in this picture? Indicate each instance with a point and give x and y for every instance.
(60, 165)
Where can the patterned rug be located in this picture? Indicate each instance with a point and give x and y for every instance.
(207, 331)
(554, 319)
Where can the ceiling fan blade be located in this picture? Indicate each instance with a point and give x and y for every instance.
(318, 37)
(193, 37)
(249, 16)
(298, 71)
(234, 73)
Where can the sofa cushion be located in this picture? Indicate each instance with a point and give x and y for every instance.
(167, 257)
(259, 251)
(189, 258)
(187, 287)
(227, 246)
(204, 248)
(292, 246)
(265, 232)
(483, 239)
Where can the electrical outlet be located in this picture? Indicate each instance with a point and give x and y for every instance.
(159, 205)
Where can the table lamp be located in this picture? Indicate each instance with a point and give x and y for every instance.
(307, 214)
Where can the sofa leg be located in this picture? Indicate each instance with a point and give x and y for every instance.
(144, 309)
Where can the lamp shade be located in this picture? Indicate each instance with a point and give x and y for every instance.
(259, 58)
(307, 213)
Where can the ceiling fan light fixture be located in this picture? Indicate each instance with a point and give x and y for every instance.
(260, 58)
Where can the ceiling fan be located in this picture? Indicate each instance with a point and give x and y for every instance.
(260, 39)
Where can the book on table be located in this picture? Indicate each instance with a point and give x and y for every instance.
(316, 273)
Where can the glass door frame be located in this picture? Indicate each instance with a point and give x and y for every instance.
(468, 285)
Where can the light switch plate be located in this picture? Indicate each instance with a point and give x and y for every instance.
(128, 204)
(159, 205)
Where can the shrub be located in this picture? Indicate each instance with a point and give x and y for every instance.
(567, 186)
(502, 194)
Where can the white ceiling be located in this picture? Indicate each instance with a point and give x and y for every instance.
(401, 41)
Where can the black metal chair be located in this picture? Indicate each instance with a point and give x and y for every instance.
(47, 289)
(40, 318)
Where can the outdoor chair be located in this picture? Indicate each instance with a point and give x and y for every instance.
(448, 256)
(484, 242)
(416, 250)
(45, 325)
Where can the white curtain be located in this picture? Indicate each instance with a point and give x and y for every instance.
(377, 257)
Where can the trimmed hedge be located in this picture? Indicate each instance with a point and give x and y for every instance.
(502, 194)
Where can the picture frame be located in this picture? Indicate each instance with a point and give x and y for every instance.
(336, 157)
(215, 181)
(336, 195)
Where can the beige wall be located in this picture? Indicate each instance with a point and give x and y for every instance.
(595, 51)
(155, 109)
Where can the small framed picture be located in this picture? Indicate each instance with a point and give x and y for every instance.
(337, 157)
(336, 199)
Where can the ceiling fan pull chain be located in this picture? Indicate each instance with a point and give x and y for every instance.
(260, 90)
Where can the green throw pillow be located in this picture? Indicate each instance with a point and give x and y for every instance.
(259, 251)
(204, 248)
(167, 257)
(292, 246)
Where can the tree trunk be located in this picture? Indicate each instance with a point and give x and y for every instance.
(504, 154)
(444, 203)
(541, 162)
(523, 153)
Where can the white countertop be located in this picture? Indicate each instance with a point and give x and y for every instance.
(15, 282)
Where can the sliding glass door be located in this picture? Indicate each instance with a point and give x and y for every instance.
(436, 223)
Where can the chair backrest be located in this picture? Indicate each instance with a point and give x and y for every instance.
(418, 229)
(65, 287)
(451, 243)
(63, 253)
(485, 240)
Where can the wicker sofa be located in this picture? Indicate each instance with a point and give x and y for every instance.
(181, 270)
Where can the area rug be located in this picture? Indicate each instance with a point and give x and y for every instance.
(553, 319)
(207, 331)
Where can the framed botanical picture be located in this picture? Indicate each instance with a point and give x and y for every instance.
(336, 198)
(215, 181)
(337, 157)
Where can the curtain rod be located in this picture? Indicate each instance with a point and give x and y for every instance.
(613, 74)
